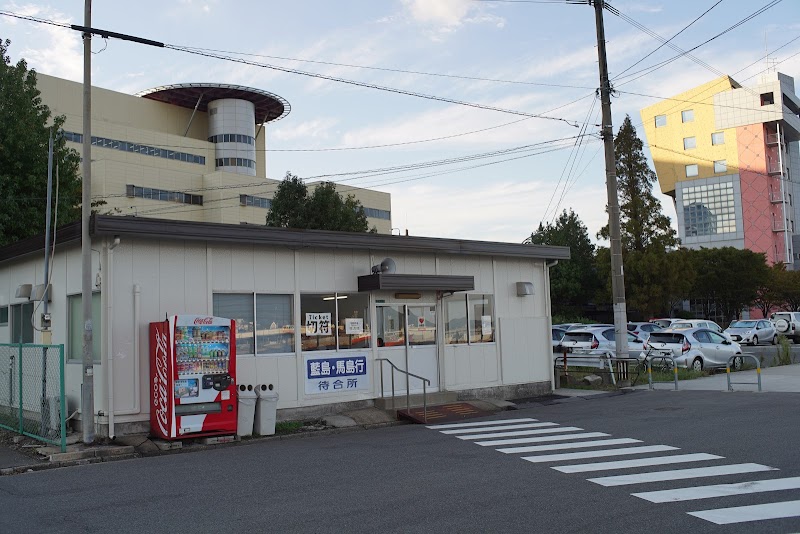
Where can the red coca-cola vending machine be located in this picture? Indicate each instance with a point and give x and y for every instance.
(193, 374)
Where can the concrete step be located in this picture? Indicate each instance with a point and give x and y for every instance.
(415, 400)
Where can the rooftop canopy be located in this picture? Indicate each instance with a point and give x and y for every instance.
(269, 106)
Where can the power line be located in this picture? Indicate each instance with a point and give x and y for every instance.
(663, 44)
(388, 69)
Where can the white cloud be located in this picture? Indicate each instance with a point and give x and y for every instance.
(439, 12)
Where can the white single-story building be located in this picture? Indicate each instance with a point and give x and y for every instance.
(472, 317)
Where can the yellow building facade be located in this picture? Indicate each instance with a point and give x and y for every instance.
(194, 152)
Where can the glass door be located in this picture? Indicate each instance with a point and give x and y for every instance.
(406, 336)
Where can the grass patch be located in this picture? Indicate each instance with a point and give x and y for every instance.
(636, 376)
(288, 427)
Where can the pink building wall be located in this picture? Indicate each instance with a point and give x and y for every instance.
(759, 214)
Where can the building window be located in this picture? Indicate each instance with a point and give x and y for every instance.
(334, 321)
(709, 209)
(468, 319)
(661, 120)
(720, 166)
(258, 202)
(687, 115)
(691, 170)
(718, 138)
(689, 142)
(232, 138)
(264, 322)
(164, 195)
(75, 326)
(145, 150)
(378, 214)
(767, 99)
(21, 326)
(235, 162)
(3, 315)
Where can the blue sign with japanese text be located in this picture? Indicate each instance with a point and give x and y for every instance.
(336, 374)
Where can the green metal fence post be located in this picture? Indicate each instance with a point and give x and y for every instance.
(21, 428)
(63, 400)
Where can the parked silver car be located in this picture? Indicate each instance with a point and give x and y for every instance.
(556, 333)
(694, 348)
(752, 331)
(643, 330)
(599, 341)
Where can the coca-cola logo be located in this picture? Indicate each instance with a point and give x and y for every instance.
(204, 320)
(160, 384)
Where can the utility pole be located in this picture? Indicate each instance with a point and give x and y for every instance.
(607, 133)
(87, 387)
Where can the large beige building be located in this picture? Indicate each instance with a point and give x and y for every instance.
(194, 152)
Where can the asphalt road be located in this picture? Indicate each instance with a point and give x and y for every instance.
(413, 479)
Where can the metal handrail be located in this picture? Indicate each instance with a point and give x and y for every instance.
(661, 357)
(728, 370)
(408, 387)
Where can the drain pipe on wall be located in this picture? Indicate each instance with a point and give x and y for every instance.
(547, 266)
(109, 327)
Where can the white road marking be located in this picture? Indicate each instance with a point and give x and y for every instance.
(494, 428)
(681, 474)
(719, 490)
(482, 423)
(756, 512)
(599, 454)
(560, 437)
(519, 432)
(639, 462)
(523, 433)
(540, 439)
(576, 445)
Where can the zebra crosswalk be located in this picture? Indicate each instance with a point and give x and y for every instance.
(554, 444)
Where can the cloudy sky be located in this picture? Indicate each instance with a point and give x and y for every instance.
(453, 169)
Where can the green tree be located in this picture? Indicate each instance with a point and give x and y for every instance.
(788, 287)
(573, 283)
(643, 226)
(324, 209)
(727, 279)
(25, 125)
(287, 209)
(769, 290)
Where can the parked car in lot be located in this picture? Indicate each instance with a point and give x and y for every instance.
(694, 348)
(665, 322)
(752, 331)
(580, 326)
(700, 323)
(788, 324)
(643, 330)
(556, 333)
(600, 342)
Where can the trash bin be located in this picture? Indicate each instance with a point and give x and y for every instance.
(265, 410)
(247, 410)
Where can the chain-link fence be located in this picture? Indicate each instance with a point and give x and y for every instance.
(32, 398)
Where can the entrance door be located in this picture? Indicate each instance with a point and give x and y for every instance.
(406, 336)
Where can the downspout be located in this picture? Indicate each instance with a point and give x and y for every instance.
(109, 327)
(547, 266)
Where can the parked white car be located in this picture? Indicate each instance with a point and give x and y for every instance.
(753, 331)
(699, 323)
(598, 341)
(788, 324)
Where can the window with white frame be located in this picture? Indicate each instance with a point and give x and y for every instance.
(720, 166)
(468, 318)
(3, 315)
(75, 330)
(687, 115)
(334, 321)
(661, 120)
(718, 138)
(691, 170)
(689, 142)
(264, 322)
